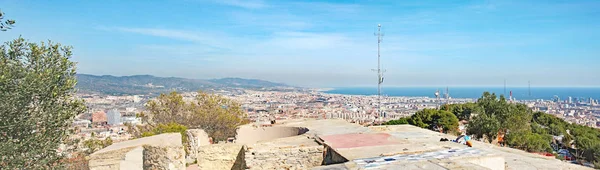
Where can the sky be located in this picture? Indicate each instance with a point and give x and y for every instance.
(325, 43)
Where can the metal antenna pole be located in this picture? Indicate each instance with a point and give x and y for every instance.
(437, 97)
(504, 87)
(379, 70)
(447, 97)
(529, 87)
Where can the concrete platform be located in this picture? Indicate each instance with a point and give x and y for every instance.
(410, 147)
(354, 140)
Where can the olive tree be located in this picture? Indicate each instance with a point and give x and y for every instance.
(5, 24)
(38, 104)
(215, 114)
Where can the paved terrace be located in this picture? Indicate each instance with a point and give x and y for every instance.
(351, 146)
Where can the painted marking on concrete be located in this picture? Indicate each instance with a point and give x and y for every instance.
(369, 163)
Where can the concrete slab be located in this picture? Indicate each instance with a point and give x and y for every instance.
(327, 126)
(249, 134)
(448, 156)
(354, 140)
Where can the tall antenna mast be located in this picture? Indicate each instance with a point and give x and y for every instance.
(437, 97)
(529, 86)
(379, 70)
(504, 87)
(447, 95)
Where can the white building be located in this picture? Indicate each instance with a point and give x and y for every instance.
(132, 120)
(114, 117)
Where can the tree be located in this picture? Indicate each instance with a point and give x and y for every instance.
(585, 144)
(400, 121)
(445, 120)
(216, 115)
(484, 126)
(463, 111)
(94, 145)
(431, 119)
(529, 141)
(517, 118)
(38, 103)
(5, 24)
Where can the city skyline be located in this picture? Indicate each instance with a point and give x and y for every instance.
(325, 43)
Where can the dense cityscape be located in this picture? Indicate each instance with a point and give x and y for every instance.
(107, 114)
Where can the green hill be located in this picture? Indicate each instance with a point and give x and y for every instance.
(147, 84)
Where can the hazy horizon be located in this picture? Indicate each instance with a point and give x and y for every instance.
(372, 85)
(325, 43)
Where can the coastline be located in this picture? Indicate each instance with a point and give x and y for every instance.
(324, 90)
(518, 93)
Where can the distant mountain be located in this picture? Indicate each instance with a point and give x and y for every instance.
(145, 84)
(239, 82)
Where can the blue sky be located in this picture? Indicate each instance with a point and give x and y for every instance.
(325, 43)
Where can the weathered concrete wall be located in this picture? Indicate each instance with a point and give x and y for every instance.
(111, 160)
(297, 157)
(220, 156)
(240, 161)
(196, 138)
(134, 159)
(128, 154)
(164, 157)
(332, 157)
(249, 134)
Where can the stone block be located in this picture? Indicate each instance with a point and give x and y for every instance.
(221, 156)
(129, 154)
(164, 157)
(196, 138)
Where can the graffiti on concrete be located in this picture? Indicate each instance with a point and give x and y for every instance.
(368, 163)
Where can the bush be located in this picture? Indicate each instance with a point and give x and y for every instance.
(431, 119)
(168, 128)
(94, 145)
(216, 115)
(401, 121)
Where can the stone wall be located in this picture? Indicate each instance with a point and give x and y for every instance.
(196, 138)
(164, 157)
(112, 159)
(221, 156)
(129, 154)
(294, 157)
(332, 157)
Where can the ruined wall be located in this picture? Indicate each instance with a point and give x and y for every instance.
(129, 154)
(220, 156)
(249, 134)
(332, 157)
(299, 157)
(109, 160)
(196, 138)
(164, 157)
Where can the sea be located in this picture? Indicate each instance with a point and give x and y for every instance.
(519, 93)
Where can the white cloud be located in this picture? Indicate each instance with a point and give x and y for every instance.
(174, 34)
(202, 38)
